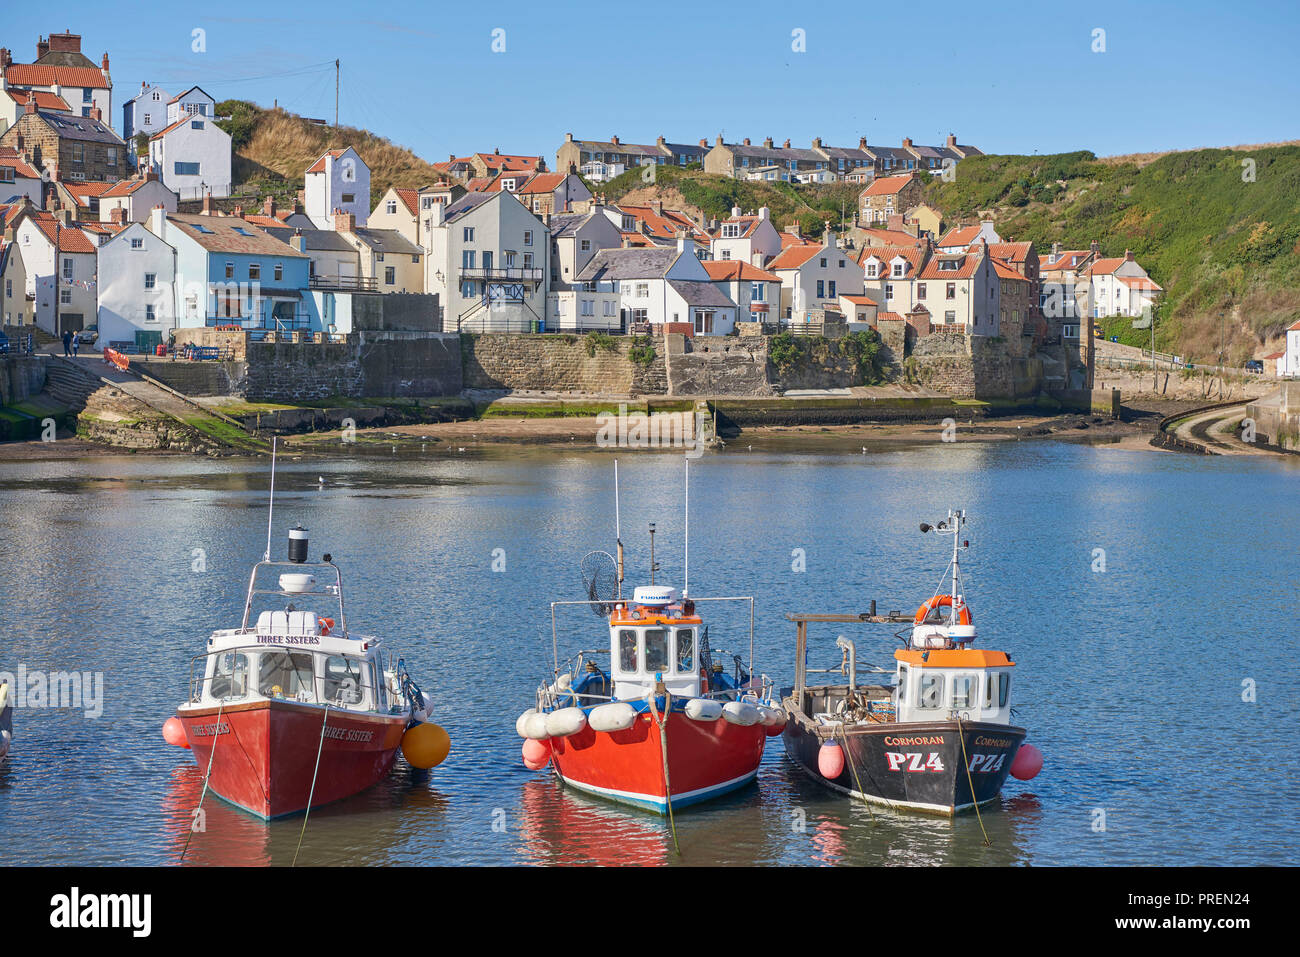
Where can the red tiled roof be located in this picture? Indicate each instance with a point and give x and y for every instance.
(891, 317)
(914, 254)
(1104, 267)
(71, 238)
(480, 184)
(1295, 328)
(665, 224)
(505, 163)
(720, 270)
(1140, 282)
(970, 262)
(1277, 355)
(790, 239)
(794, 256)
(410, 199)
(10, 157)
(1010, 252)
(45, 100)
(124, 187)
(890, 237)
(887, 185)
(319, 165)
(167, 129)
(1063, 261)
(83, 191)
(35, 74)
(1005, 271)
(542, 183)
(960, 236)
(862, 301)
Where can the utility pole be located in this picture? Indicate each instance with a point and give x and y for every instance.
(57, 265)
(336, 94)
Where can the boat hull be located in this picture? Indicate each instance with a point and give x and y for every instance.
(263, 755)
(933, 767)
(705, 760)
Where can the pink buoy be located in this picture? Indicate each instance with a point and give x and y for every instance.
(830, 760)
(174, 733)
(1027, 763)
(536, 754)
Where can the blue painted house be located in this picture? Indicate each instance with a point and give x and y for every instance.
(230, 272)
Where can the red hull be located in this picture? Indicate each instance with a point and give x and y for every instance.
(705, 759)
(266, 753)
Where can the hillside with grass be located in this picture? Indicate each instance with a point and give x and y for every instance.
(273, 149)
(1223, 239)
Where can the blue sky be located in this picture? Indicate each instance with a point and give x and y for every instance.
(1008, 78)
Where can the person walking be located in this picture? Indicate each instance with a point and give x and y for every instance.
(67, 342)
(76, 341)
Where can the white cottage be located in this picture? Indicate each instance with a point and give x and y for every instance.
(339, 181)
(137, 275)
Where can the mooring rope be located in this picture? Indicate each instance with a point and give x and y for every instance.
(961, 733)
(663, 748)
(216, 736)
(848, 756)
(312, 793)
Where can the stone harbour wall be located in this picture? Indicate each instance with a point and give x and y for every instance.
(560, 363)
(369, 364)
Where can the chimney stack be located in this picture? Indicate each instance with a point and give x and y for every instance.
(157, 219)
(344, 222)
(746, 141)
(817, 142)
(768, 142)
(862, 142)
(268, 206)
(117, 215)
(1095, 248)
(42, 48)
(614, 140)
(704, 144)
(907, 142)
(239, 211)
(785, 145)
(951, 141)
(1128, 255)
(208, 208)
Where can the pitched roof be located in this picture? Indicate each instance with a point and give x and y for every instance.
(887, 185)
(410, 199)
(218, 235)
(319, 165)
(70, 127)
(665, 223)
(387, 241)
(71, 239)
(505, 163)
(543, 183)
(650, 263)
(1011, 252)
(890, 237)
(794, 256)
(967, 265)
(914, 253)
(960, 236)
(699, 293)
(82, 192)
(1104, 267)
(1140, 282)
(1005, 271)
(890, 317)
(750, 223)
(45, 100)
(860, 300)
(733, 270)
(36, 74)
(465, 204)
(13, 159)
(1063, 260)
(319, 240)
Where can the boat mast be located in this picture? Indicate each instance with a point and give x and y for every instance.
(618, 532)
(686, 558)
(270, 506)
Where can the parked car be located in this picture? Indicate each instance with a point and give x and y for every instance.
(4, 344)
(1255, 365)
(89, 334)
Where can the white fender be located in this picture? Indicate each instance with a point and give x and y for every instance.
(4, 745)
(521, 723)
(704, 709)
(772, 717)
(535, 727)
(565, 721)
(742, 713)
(615, 716)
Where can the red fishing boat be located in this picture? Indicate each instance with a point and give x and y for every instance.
(292, 710)
(657, 720)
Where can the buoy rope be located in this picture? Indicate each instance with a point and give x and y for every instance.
(216, 736)
(961, 734)
(663, 748)
(312, 793)
(848, 756)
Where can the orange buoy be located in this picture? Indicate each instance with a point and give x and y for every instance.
(1027, 763)
(942, 601)
(830, 760)
(174, 733)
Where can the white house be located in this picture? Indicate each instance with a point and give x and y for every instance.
(193, 102)
(889, 274)
(487, 260)
(575, 239)
(74, 265)
(814, 277)
(962, 290)
(662, 289)
(747, 238)
(62, 69)
(135, 197)
(1120, 287)
(192, 157)
(756, 292)
(146, 113)
(960, 238)
(1289, 363)
(338, 181)
(137, 275)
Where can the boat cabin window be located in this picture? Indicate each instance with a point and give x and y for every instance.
(344, 680)
(376, 682)
(627, 650)
(229, 676)
(990, 688)
(961, 691)
(903, 674)
(931, 691)
(686, 650)
(285, 674)
(656, 650)
(997, 685)
(1004, 689)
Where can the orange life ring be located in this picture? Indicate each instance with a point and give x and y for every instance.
(326, 625)
(941, 601)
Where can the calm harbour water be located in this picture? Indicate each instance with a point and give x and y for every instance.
(1129, 680)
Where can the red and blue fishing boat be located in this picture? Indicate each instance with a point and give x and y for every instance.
(657, 719)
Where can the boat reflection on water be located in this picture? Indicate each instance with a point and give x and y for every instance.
(562, 826)
(367, 829)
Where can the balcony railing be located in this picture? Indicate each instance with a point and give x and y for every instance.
(502, 273)
(345, 283)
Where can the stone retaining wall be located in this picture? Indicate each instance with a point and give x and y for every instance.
(560, 363)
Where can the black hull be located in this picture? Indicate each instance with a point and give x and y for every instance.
(917, 766)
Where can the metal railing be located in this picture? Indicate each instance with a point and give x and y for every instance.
(501, 273)
(345, 283)
(201, 684)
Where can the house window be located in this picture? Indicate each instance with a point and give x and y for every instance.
(196, 124)
(528, 260)
(254, 270)
(65, 296)
(349, 198)
(467, 259)
(186, 169)
(889, 291)
(469, 290)
(467, 235)
(150, 280)
(528, 237)
(642, 290)
(149, 314)
(588, 307)
(704, 322)
(279, 271)
(951, 291)
(379, 257)
(823, 262)
(898, 270)
(390, 275)
(230, 270)
(391, 208)
(758, 292)
(950, 317)
(821, 289)
(67, 269)
(731, 231)
(111, 154)
(137, 244)
(871, 270)
(585, 245)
